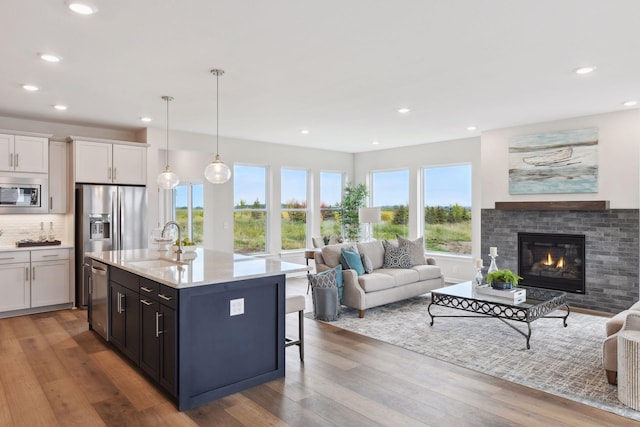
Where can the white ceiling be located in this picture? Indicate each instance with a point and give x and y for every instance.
(340, 68)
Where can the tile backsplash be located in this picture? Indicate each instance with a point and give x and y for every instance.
(20, 227)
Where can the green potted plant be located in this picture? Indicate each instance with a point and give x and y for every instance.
(503, 279)
(353, 199)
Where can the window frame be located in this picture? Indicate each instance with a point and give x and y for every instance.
(305, 210)
(251, 210)
(370, 198)
(422, 206)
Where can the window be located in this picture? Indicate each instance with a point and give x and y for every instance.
(330, 201)
(250, 209)
(390, 192)
(293, 209)
(447, 209)
(188, 202)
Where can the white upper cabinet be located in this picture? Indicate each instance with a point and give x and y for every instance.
(58, 177)
(107, 163)
(129, 164)
(19, 153)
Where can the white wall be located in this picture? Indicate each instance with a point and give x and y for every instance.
(618, 154)
(414, 158)
(190, 153)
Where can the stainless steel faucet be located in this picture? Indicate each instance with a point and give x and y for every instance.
(179, 251)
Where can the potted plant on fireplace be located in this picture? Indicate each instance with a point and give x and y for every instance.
(503, 279)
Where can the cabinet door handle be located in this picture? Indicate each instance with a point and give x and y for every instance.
(11, 159)
(26, 274)
(123, 303)
(49, 256)
(115, 174)
(158, 331)
(33, 273)
(144, 288)
(145, 302)
(165, 297)
(51, 202)
(6, 258)
(17, 159)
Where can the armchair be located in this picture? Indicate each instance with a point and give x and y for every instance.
(625, 320)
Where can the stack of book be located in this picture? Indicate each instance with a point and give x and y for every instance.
(513, 295)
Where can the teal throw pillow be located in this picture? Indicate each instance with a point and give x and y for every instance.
(352, 260)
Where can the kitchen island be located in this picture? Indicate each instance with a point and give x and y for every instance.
(202, 328)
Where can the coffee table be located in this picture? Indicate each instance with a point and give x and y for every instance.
(463, 296)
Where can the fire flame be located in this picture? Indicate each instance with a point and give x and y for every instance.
(550, 262)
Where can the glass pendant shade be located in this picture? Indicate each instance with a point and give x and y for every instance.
(167, 180)
(217, 172)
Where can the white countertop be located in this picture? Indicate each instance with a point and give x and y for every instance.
(34, 248)
(206, 266)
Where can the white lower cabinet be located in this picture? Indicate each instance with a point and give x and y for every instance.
(32, 279)
(49, 277)
(15, 289)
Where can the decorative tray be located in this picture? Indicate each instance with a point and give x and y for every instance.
(29, 243)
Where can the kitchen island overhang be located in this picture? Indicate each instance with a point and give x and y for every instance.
(229, 318)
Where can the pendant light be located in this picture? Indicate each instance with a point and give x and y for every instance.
(217, 172)
(167, 180)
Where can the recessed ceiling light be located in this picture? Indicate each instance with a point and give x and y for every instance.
(471, 128)
(585, 70)
(630, 103)
(146, 119)
(304, 131)
(403, 110)
(82, 7)
(60, 107)
(30, 88)
(376, 142)
(49, 57)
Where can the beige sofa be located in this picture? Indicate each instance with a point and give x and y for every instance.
(382, 285)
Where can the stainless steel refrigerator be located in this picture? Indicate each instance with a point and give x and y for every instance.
(108, 217)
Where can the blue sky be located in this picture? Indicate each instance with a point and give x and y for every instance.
(443, 186)
(181, 195)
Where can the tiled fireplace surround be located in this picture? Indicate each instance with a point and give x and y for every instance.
(612, 249)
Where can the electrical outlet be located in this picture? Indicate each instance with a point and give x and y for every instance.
(236, 307)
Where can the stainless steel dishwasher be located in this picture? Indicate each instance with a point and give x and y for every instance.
(98, 299)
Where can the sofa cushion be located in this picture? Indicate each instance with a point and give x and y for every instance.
(396, 256)
(416, 249)
(331, 253)
(350, 260)
(366, 263)
(376, 282)
(374, 250)
(400, 276)
(427, 272)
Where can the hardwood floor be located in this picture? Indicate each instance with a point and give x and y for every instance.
(53, 371)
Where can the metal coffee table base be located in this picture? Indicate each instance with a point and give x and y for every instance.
(526, 313)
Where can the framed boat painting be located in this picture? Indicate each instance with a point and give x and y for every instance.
(560, 162)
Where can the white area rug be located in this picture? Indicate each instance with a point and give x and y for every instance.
(562, 361)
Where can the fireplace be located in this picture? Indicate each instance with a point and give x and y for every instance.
(552, 261)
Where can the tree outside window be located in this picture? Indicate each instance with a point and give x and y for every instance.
(447, 209)
(250, 209)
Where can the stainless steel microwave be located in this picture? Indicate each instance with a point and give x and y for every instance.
(20, 195)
